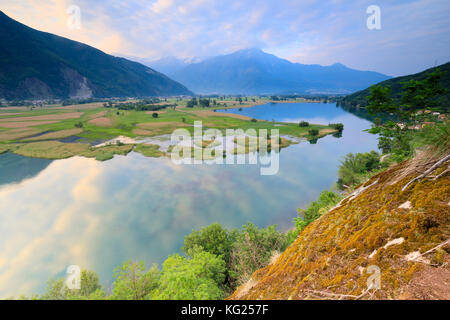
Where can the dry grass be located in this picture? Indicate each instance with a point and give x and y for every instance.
(10, 114)
(18, 134)
(24, 124)
(101, 122)
(51, 149)
(98, 115)
(142, 132)
(57, 134)
(60, 116)
(93, 105)
(326, 131)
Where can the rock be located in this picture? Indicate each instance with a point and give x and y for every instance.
(405, 205)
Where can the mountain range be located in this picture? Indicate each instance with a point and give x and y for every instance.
(253, 71)
(40, 65)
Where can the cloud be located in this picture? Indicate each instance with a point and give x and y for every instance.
(414, 34)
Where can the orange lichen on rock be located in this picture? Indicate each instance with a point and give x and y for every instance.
(331, 256)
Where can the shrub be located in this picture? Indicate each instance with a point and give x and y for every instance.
(313, 132)
(197, 277)
(327, 199)
(338, 126)
(354, 166)
(213, 239)
(155, 115)
(79, 124)
(134, 282)
(303, 124)
(253, 120)
(253, 249)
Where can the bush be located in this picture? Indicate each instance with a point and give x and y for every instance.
(303, 124)
(253, 249)
(338, 126)
(327, 199)
(213, 239)
(134, 282)
(313, 132)
(354, 166)
(79, 124)
(198, 277)
(253, 120)
(155, 115)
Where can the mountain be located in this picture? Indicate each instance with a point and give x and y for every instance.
(168, 65)
(252, 71)
(358, 101)
(35, 65)
(379, 235)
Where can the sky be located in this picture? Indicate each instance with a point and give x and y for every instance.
(413, 35)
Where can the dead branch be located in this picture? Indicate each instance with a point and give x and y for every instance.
(433, 167)
(340, 296)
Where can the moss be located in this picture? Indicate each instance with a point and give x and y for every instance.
(332, 253)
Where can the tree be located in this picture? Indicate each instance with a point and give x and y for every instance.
(313, 132)
(198, 277)
(253, 249)
(90, 288)
(134, 282)
(396, 137)
(155, 115)
(303, 124)
(213, 239)
(338, 126)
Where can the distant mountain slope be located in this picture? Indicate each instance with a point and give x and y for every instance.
(358, 99)
(168, 65)
(35, 64)
(252, 71)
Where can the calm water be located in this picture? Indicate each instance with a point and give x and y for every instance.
(99, 214)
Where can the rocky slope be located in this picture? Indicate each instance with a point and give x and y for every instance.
(403, 234)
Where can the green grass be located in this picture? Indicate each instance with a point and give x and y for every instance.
(125, 122)
(149, 150)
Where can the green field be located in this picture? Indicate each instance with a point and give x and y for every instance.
(37, 132)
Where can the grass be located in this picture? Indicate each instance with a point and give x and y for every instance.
(124, 122)
(149, 150)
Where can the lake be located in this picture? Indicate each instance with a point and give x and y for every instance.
(99, 214)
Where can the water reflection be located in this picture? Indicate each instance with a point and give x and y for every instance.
(15, 168)
(99, 214)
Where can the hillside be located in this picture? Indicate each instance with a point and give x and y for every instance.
(35, 65)
(403, 233)
(252, 71)
(358, 99)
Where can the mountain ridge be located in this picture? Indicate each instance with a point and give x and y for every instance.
(39, 65)
(358, 100)
(253, 71)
